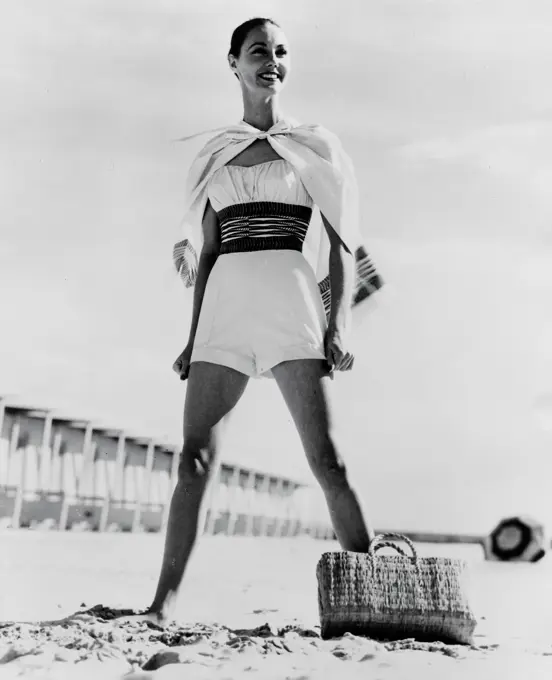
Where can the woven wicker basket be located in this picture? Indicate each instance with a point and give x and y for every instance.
(394, 596)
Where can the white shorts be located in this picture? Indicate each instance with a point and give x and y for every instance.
(259, 309)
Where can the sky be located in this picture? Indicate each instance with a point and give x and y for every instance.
(444, 107)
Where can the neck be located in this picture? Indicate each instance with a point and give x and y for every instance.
(261, 113)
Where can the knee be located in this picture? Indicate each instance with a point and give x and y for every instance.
(196, 462)
(333, 475)
(329, 467)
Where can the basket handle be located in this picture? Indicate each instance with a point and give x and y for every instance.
(384, 541)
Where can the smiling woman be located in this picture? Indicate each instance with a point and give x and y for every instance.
(259, 310)
(251, 44)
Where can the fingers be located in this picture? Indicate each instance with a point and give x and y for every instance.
(345, 362)
(181, 367)
(331, 359)
(338, 360)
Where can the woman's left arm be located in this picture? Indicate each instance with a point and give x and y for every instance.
(342, 279)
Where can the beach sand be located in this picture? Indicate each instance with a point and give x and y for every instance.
(248, 609)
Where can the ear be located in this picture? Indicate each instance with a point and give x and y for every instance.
(232, 62)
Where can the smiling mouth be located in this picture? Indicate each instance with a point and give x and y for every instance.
(270, 77)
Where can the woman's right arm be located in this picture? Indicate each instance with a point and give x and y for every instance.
(207, 259)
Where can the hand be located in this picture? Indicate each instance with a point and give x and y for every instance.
(182, 365)
(336, 355)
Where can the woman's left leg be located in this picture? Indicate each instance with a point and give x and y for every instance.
(304, 388)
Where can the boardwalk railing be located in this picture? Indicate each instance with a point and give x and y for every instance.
(73, 474)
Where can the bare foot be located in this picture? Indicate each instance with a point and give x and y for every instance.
(126, 615)
(149, 617)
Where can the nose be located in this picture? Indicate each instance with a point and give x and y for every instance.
(272, 58)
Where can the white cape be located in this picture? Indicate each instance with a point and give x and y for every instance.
(328, 176)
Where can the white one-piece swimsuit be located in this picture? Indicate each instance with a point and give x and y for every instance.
(262, 304)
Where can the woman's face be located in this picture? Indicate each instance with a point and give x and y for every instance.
(263, 64)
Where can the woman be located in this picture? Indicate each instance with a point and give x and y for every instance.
(257, 304)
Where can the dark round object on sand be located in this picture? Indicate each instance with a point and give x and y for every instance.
(517, 539)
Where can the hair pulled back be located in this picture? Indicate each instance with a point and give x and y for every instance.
(240, 34)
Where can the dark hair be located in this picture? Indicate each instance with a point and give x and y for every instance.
(240, 34)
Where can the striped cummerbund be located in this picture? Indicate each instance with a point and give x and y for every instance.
(263, 225)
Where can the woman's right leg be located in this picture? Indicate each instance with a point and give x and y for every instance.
(211, 394)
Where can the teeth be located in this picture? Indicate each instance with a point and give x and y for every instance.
(270, 76)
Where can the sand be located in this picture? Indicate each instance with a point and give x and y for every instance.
(248, 610)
